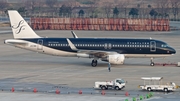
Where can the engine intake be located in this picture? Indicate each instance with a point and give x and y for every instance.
(115, 59)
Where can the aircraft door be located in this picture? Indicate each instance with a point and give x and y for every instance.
(40, 44)
(107, 46)
(153, 46)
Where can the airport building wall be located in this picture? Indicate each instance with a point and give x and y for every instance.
(109, 24)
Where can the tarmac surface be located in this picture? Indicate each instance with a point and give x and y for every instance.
(25, 70)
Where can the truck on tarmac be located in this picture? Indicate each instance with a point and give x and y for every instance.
(116, 84)
(155, 84)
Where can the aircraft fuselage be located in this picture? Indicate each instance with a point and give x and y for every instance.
(129, 47)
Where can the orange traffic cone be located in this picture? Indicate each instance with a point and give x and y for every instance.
(12, 89)
(57, 91)
(127, 94)
(80, 91)
(35, 90)
(103, 92)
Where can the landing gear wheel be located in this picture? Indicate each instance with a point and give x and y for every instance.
(165, 90)
(152, 64)
(149, 89)
(103, 87)
(94, 63)
(117, 88)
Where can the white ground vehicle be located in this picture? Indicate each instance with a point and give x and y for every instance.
(155, 83)
(117, 84)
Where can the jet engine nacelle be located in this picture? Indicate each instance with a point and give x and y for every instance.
(116, 59)
(82, 55)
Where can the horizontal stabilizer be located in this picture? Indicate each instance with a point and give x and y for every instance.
(14, 41)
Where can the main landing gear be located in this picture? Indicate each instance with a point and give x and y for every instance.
(152, 63)
(94, 63)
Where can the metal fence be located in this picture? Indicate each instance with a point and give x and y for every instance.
(116, 24)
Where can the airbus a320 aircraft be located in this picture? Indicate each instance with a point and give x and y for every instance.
(111, 50)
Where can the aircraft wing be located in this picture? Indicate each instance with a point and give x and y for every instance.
(97, 53)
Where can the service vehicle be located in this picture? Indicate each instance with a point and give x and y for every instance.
(156, 84)
(117, 84)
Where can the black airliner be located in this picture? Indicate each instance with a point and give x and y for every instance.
(111, 50)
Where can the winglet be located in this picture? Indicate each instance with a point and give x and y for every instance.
(74, 35)
(71, 45)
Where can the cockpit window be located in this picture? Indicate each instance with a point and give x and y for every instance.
(164, 45)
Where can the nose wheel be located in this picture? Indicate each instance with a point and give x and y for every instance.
(94, 63)
(152, 63)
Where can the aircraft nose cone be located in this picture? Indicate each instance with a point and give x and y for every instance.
(173, 51)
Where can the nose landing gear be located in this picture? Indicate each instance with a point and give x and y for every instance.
(152, 63)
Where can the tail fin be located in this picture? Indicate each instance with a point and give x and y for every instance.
(20, 27)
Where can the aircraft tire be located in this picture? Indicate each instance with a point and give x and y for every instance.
(152, 64)
(94, 63)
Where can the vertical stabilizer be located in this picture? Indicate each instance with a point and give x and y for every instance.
(20, 27)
